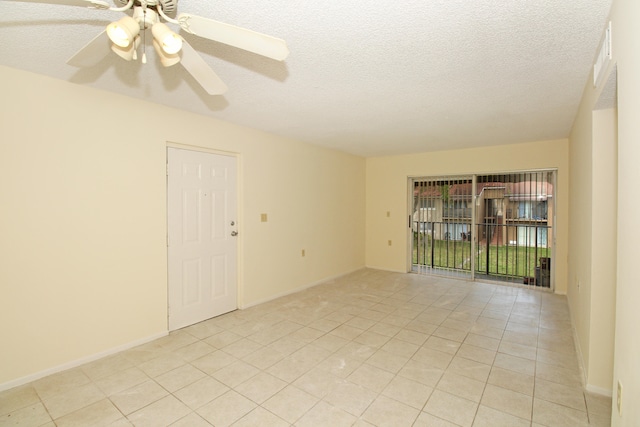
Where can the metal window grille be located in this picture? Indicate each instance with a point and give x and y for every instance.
(495, 227)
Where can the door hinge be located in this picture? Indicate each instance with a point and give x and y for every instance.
(167, 169)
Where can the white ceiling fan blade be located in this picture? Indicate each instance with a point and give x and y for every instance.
(242, 38)
(95, 4)
(92, 52)
(200, 70)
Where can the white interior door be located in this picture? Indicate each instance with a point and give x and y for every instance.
(202, 225)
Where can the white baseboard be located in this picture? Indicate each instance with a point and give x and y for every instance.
(299, 289)
(583, 372)
(75, 363)
(599, 390)
(576, 343)
(581, 365)
(372, 267)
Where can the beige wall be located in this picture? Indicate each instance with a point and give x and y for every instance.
(387, 192)
(580, 231)
(625, 17)
(605, 156)
(604, 212)
(83, 189)
(603, 250)
(592, 242)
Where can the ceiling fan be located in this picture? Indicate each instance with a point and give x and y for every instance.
(125, 37)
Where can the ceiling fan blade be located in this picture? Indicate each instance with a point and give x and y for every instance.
(200, 70)
(242, 38)
(92, 52)
(94, 4)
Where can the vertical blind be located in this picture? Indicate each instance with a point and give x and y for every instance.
(496, 226)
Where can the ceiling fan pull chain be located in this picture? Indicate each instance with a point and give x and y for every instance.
(144, 34)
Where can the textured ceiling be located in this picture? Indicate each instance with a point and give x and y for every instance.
(366, 77)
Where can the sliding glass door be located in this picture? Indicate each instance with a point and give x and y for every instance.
(442, 225)
(493, 227)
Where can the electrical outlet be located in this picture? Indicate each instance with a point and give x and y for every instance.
(619, 399)
(389, 242)
(388, 214)
(263, 217)
(303, 253)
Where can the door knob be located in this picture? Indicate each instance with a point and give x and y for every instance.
(234, 233)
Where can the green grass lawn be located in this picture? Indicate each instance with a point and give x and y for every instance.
(518, 261)
(445, 253)
(503, 260)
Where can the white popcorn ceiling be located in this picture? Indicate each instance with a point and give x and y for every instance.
(366, 77)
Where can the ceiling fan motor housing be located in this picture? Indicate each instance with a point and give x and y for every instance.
(168, 6)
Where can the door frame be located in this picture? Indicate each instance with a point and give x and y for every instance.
(240, 214)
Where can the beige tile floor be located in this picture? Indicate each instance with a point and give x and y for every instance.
(372, 348)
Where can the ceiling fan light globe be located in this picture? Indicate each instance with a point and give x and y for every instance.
(167, 60)
(118, 36)
(170, 42)
(126, 53)
(123, 32)
(122, 52)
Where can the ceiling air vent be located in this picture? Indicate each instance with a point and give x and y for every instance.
(603, 58)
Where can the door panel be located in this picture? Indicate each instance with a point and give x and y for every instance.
(202, 252)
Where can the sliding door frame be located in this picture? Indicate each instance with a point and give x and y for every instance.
(411, 180)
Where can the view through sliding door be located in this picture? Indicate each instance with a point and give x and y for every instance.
(442, 225)
(493, 227)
